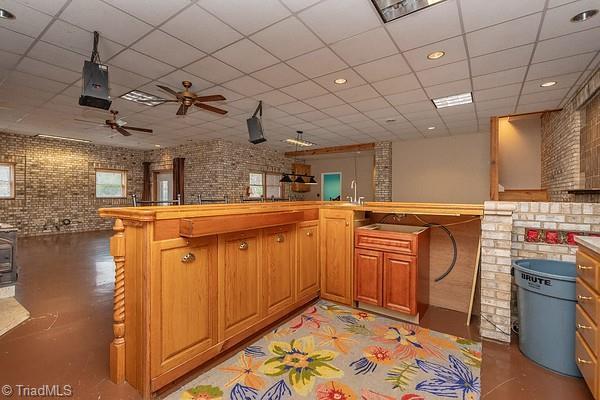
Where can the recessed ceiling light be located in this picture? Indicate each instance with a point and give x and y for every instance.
(340, 81)
(157, 145)
(436, 54)
(455, 100)
(431, 128)
(584, 15)
(147, 99)
(6, 14)
(548, 84)
(64, 138)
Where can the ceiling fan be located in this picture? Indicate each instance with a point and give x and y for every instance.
(119, 125)
(188, 98)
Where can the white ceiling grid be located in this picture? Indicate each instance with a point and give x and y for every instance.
(288, 53)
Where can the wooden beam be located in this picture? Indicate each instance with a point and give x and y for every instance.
(494, 159)
(332, 150)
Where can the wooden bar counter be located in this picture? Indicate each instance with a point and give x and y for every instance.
(193, 281)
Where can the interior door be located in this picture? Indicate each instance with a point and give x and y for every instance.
(307, 259)
(163, 190)
(278, 267)
(400, 283)
(368, 266)
(331, 186)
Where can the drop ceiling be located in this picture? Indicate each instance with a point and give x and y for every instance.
(287, 53)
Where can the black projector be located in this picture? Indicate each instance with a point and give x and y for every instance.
(95, 86)
(255, 130)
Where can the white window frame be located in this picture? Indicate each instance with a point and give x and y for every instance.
(123, 183)
(264, 184)
(11, 182)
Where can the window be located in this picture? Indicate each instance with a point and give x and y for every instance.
(111, 184)
(265, 185)
(7, 181)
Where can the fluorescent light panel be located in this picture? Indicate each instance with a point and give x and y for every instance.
(300, 142)
(147, 99)
(455, 100)
(64, 138)
(390, 10)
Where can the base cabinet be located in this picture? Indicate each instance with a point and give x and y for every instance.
(369, 276)
(307, 267)
(278, 268)
(400, 283)
(336, 255)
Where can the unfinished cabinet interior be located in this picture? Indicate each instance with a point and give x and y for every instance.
(388, 262)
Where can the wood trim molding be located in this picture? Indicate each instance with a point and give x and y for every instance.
(117, 347)
(494, 157)
(332, 150)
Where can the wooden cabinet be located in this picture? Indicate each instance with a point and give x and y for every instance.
(307, 259)
(240, 282)
(183, 301)
(336, 255)
(388, 263)
(278, 264)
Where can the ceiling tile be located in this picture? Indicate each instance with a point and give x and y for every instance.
(279, 75)
(335, 20)
(312, 116)
(383, 69)
(535, 107)
(208, 35)
(412, 96)
(576, 43)
(562, 82)
(14, 42)
(384, 113)
(358, 93)
(245, 56)
(426, 115)
(449, 89)
(496, 93)
(296, 107)
(21, 79)
(50, 7)
(297, 5)
(502, 103)
(7, 61)
(154, 14)
(443, 74)
(454, 49)
(426, 26)
(561, 66)
(276, 98)
(325, 101)
(501, 60)
(304, 90)
(28, 21)
(540, 97)
(417, 107)
(557, 20)
(352, 80)
(247, 16)
(94, 15)
(317, 63)
(501, 78)
(78, 40)
(479, 14)
(370, 104)
(467, 111)
(288, 38)
(213, 70)
(175, 79)
(247, 85)
(141, 64)
(167, 49)
(55, 55)
(339, 111)
(122, 77)
(513, 33)
(42, 69)
(399, 84)
(365, 47)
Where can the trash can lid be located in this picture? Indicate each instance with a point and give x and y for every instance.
(561, 270)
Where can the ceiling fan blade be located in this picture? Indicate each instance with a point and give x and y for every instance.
(211, 108)
(216, 97)
(122, 131)
(182, 110)
(169, 101)
(168, 90)
(132, 128)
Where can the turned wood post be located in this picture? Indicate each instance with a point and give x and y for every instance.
(117, 347)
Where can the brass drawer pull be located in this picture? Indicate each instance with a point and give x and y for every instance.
(188, 258)
(243, 245)
(583, 298)
(279, 238)
(309, 233)
(579, 326)
(583, 267)
(582, 361)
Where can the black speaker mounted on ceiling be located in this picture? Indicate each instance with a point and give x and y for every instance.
(95, 92)
(255, 129)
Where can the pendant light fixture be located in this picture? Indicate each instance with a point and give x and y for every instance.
(297, 178)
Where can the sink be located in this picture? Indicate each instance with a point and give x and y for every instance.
(394, 228)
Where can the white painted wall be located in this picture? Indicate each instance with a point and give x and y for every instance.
(453, 169)
(520, 153)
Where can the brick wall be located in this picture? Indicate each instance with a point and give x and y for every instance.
(383, 171)
(590, 144)
(55, 180)
(504, 227)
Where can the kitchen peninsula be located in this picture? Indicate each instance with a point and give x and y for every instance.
(193, 281)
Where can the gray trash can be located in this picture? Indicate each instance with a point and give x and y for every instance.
(546, 300)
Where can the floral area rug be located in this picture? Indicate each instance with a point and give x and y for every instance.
(332, 352)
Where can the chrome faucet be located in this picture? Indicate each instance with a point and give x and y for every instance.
(355, 199)
(353, 186)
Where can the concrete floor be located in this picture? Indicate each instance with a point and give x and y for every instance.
(66, 283)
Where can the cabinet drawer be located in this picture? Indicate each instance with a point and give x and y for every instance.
(587, 299)
(405, 244)
(586, 328)
(586, 362)
(587, 269)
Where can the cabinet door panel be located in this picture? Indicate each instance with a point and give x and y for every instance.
(368, 266)
(400, 283)
(183, 300)
(336, 255)
(278, 267)
(240, 283)
(307, 259)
